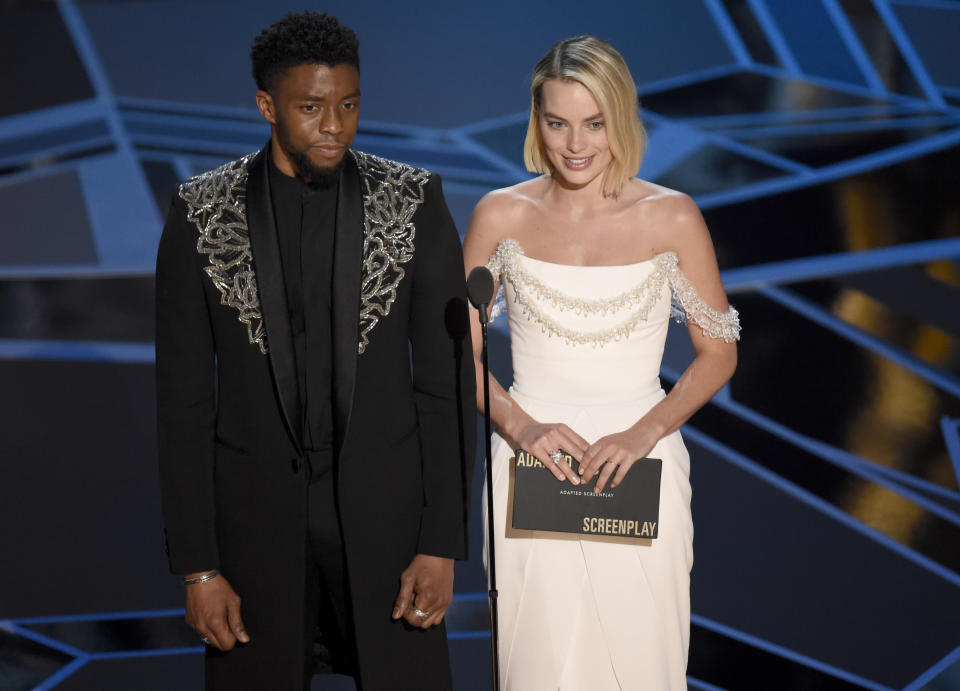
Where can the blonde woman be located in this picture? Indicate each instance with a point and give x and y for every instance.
(590, 259)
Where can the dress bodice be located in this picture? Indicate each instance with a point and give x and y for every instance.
(596, 331)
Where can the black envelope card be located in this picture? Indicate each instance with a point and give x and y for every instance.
(541, 502)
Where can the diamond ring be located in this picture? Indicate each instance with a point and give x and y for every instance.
(556, 455)
(204, 640)
(420, 613)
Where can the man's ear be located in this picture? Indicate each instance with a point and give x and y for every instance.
(265, 105)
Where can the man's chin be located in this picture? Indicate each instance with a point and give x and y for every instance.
(320, 175)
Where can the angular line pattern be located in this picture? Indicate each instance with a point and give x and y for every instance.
(741, 118)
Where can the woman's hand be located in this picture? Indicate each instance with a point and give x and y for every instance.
(616, 452)
(543, 439)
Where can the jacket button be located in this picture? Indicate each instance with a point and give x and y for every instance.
(295, 465)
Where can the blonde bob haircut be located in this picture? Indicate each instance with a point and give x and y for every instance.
(602, 70)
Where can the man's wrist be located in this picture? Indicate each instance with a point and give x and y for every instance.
(200, 577)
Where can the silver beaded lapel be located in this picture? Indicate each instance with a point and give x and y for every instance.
(217, 205)
(392, 193)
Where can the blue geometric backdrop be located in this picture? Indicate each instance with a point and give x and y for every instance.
(820, 137)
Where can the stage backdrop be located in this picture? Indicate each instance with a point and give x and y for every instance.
(821, 139)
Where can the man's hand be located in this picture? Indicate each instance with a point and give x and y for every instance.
(427, 586)
(213, 611)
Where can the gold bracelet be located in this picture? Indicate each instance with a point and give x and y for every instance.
(201, 579)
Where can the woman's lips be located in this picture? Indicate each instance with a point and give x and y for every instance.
(577, 163)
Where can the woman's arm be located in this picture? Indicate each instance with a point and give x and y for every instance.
(686, 234)
(492, 222)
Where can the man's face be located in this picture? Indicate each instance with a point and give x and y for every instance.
(313, 112)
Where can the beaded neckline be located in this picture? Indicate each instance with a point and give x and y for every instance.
(686, 303)
(587, 266)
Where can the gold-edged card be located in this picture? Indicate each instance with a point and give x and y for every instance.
(631, 510)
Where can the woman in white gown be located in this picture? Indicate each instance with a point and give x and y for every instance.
(590, 259)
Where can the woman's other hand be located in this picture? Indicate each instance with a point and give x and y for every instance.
(543, 439)
(616, 453)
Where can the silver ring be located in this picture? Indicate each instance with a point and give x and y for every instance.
(556, 456)
(205, 640)
(420, 613)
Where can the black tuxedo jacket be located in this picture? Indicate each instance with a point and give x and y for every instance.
(232, 472)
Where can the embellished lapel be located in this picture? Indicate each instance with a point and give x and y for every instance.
(392, 193)
(374, 239)
(347, 259)
(265, 249)
(217, 205)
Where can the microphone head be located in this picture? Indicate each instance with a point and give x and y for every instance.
(480, 287)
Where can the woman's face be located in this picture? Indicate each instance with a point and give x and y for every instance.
(574, 133)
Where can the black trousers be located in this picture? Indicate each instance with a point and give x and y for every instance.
(328, 620)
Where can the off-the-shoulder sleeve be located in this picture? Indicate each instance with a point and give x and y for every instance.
(501, 256)
(498, 265)
(688, 306)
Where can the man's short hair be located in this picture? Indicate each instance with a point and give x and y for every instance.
(302, 38)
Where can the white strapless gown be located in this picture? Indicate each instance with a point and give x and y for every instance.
(594, 613)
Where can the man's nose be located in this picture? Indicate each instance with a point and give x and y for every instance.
(330, 122)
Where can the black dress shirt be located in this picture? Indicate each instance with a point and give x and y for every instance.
(306, 219)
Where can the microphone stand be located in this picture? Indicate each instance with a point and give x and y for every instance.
(480, 290)
(491, 553)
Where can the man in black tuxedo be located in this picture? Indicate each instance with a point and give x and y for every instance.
(315, 391)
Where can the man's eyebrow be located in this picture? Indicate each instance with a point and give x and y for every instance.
(314, 97)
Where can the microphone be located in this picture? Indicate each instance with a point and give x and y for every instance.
(480, 290)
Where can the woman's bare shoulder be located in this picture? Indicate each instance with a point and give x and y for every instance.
(501, 214)
(645, 195)
(504, 212)
(672, 218)
(506, 202)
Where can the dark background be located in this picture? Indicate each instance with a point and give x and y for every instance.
(820, 138)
